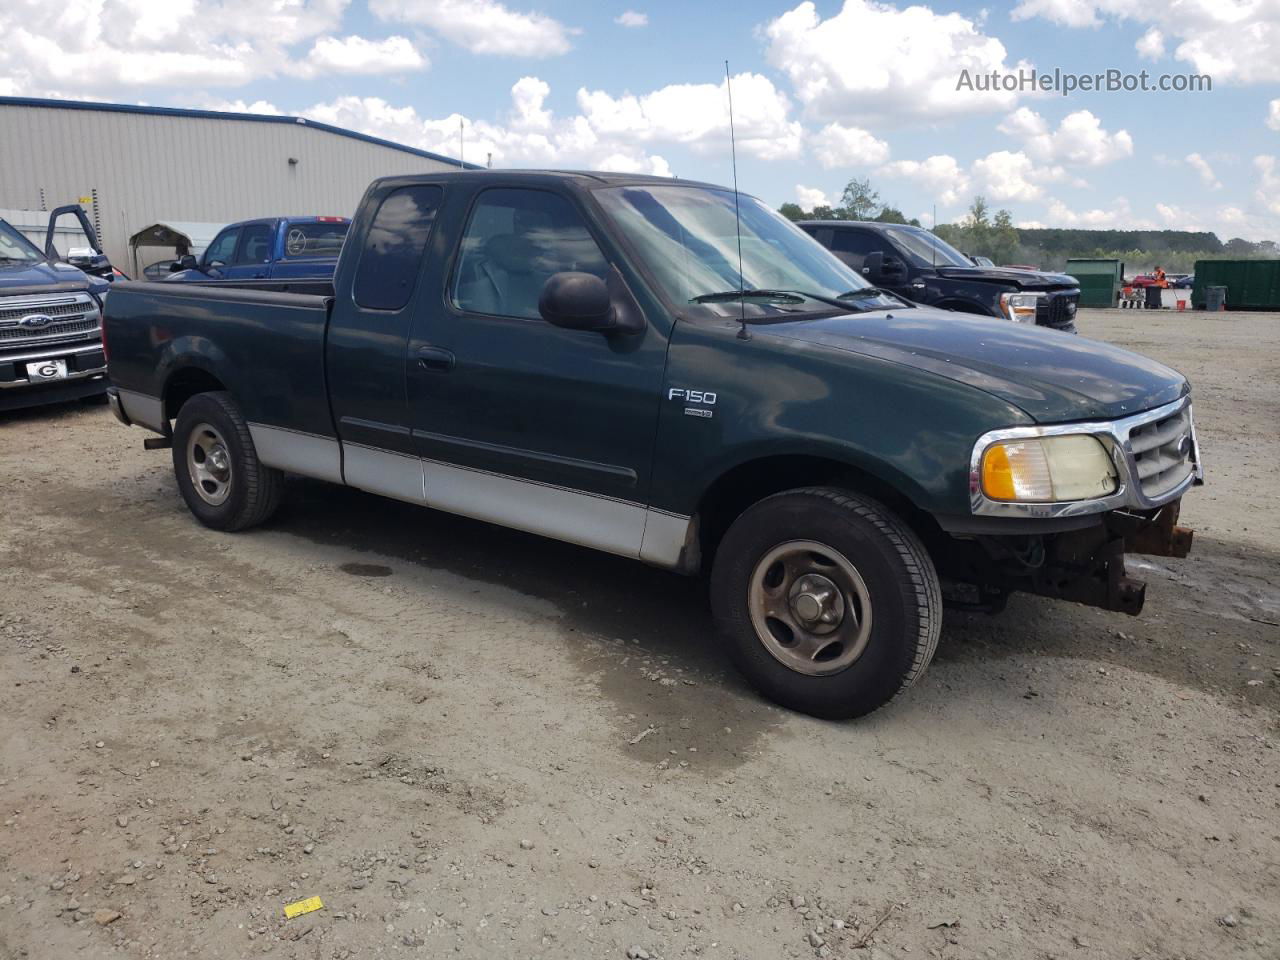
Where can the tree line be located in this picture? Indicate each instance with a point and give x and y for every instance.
(984, 233)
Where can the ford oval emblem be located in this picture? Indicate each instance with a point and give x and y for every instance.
(35, 321)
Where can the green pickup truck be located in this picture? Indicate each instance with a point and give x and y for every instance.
(668, 371)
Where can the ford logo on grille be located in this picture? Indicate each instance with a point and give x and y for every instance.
(35, 321)
(1071, 309)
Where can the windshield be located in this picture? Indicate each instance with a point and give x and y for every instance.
(688, 238)
(14, 247)
(927, 249)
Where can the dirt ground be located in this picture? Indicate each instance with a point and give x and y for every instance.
(472, 742)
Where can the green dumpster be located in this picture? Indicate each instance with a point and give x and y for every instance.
(1251, 284)
(1100, 280)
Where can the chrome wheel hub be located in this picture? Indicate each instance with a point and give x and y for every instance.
(810, 607)
(209, 464)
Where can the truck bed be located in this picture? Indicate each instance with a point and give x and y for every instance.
(269, 349)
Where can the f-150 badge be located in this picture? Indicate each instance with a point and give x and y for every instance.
(705, 399)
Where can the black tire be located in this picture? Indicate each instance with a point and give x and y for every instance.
(253, 489)
(897, 578)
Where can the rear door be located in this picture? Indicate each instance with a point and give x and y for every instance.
(366, 352)
(520, 422)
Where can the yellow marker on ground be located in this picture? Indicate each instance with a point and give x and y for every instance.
(309, 905)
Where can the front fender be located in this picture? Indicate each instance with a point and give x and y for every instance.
(909, 428)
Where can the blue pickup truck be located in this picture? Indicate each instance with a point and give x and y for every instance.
(277, 248)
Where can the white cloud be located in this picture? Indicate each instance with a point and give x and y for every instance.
(1178, 218)
(1273, 115)
(527, 97)
(1079, 140)
(1118, 216)
(697, 115)
(356, 55)
(810, 197)
(1201, 166)
(264, 107)
(1008, 176)
(481, 26)
(840, 146)
(632, 18)
(535, 137)
(1150, 45)
(940, 175)
(90, 48)
(873, 61)
(1231, 40)
(1268, 193)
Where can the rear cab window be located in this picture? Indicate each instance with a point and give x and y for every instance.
(391, 259)
(515, 240)
(319, 238)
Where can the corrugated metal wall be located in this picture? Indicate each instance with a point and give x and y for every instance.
(149, 168)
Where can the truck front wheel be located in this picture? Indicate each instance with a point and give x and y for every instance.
(830, 603)
(217, 467)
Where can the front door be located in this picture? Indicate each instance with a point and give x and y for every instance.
(520, 422)
(252, 257)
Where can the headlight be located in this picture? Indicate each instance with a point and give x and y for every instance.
(1048, 469)
(1020, 307)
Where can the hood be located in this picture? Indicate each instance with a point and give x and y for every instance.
(1025, 279)
(43, 277)
(1054, 377)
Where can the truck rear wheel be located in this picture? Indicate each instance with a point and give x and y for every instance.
(830, 603)
(218, 471)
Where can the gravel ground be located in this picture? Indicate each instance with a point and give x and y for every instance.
(472, 742)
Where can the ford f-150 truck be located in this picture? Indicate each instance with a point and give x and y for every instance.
(50, 326)
(282, 248)
(590, 357)
(924, 268)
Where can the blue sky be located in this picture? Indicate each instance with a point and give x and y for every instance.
(823, 91)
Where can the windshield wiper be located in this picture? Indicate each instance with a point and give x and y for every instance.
(778, 296)
(15, 260)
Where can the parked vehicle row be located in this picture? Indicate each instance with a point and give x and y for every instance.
(667, 371)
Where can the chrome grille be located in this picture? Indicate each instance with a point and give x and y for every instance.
(63, 307)
(1163, 452)
(73, 319)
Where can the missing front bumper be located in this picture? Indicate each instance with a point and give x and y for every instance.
(1087, 566)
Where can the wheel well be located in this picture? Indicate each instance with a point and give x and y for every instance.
(751, 482)
(184, 385)
(964, 306)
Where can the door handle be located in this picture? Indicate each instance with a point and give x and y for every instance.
(436, 358)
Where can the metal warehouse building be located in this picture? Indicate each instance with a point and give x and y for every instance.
(138, 166)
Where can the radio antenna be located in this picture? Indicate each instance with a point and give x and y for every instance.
(743, 333)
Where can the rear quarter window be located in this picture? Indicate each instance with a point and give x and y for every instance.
(392, 254)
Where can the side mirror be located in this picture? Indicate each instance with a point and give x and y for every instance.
(577, 301)
(873, 265)
(185, 262)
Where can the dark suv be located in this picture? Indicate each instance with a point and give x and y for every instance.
(915, 263)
